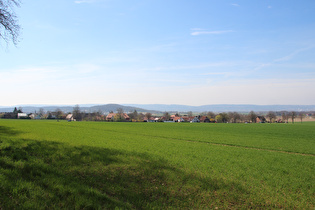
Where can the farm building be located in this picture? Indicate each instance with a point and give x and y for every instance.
(69, 117)
(204, 119)
(260, 119)
(178, 119)
(21, 115)
(111, 116)
(195, 120)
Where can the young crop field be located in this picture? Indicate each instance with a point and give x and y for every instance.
(49, 164)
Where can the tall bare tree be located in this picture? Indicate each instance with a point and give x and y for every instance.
(222, 117)
(271, 115)
(167, 116)
(77, 113)
(148, 115)
(119, 117)
(284, 116)
(234, 116)
(190, 114)
(210, 115)
(301, 116)
(134, 115)
(9, 27)
(58, 113)
(225, 117)
(120, 111)
(293, 115)
(252, 116)
(41, 112)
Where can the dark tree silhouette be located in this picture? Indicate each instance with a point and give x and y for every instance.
(148, 115)
(119, 117)
(167, 116)
(233, 116)
(225, 117)
(189, 114)
(293, 115)
(134, 115)
(284, 116)
(9, 27)
(252, 116)
(77, 114)
(301, 116)
(271, 115)
(210, 115)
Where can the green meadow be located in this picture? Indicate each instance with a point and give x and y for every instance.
(100, 165)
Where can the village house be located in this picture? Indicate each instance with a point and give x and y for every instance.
(69, 117)
(34, 116)
(152, 119)
(260, 119)
(195, 120)
(127, 118)
(178, 119)
(111, 116)
(187, 119)
(204, 119)
(22, 115)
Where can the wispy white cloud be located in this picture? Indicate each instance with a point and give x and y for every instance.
(284, 58)
(193, 67)
(261, 66)
(46, 74)
(298, 65)
(217, 73)
(235, 5)
(199, 31)
(85, 1)
(296, 52)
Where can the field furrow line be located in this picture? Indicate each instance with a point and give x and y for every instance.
(214, 143)
(247, 147)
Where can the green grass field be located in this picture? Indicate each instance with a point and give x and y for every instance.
(88, 165)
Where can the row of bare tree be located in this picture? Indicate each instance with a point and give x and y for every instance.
(223, 117)
(253, 117)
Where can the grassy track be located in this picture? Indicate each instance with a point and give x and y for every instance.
(49, 164)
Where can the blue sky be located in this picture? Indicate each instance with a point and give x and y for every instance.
(165, 52)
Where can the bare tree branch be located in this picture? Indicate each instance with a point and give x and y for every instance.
(9, 27)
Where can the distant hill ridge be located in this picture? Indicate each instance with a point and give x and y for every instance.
(225, 107)
(159, 108)
(86, 108)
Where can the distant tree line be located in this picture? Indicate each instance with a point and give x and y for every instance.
(222, 117)
(12, 115)
(120, 116)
